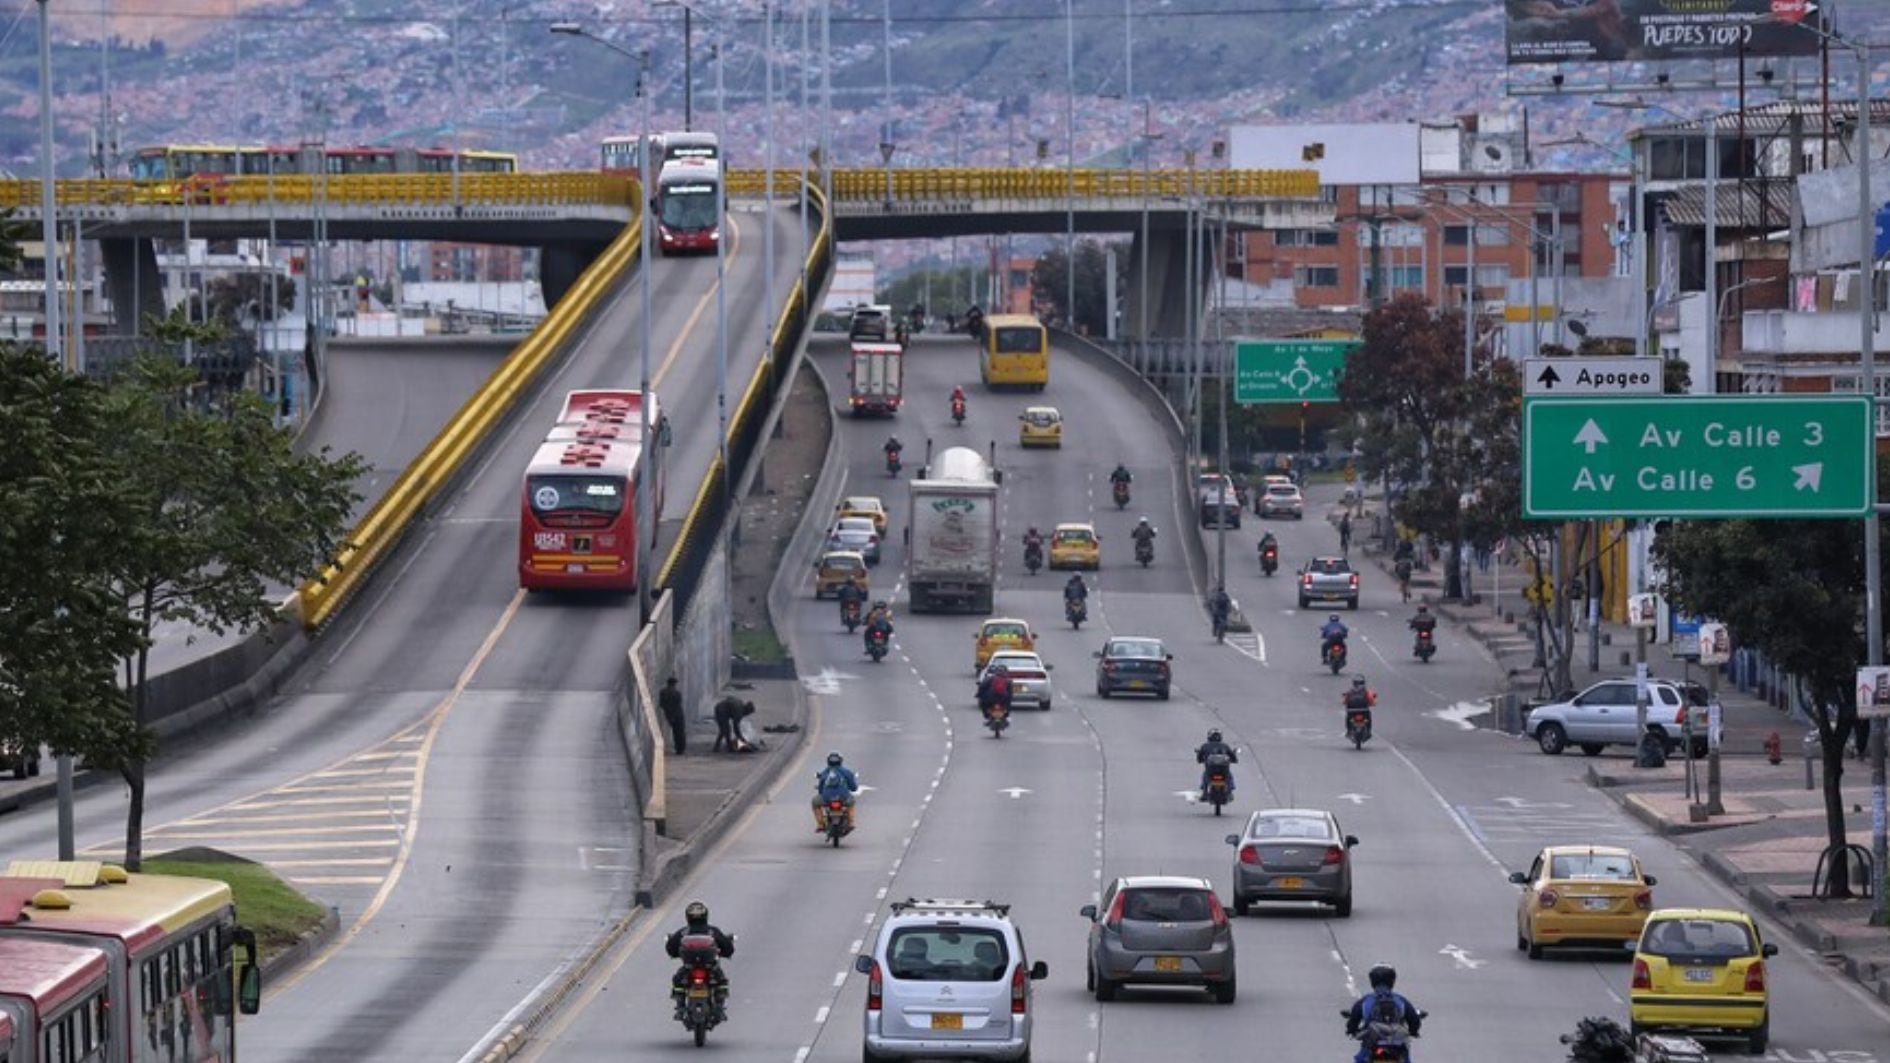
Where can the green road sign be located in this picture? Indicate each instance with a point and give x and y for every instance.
(1288, 370)
(1700, 456)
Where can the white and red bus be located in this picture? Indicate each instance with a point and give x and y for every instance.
(55, 1003)
(578, 524)
(620, 154)
(688, 198)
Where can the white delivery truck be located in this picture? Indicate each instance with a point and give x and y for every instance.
(954, 533)
(875, 378)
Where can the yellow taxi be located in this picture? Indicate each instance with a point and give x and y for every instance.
(836, 567)
(1040, 426)
(1587, 895)
(1075, 546)
(1702, 971)
(863, 506)
(1004, 633)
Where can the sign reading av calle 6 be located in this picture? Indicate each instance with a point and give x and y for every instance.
(1699, 456)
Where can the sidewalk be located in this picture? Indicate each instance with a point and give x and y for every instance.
(1767, 843)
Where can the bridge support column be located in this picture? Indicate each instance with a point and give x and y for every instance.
(561, 264)
(136, 286)
(1167, 279)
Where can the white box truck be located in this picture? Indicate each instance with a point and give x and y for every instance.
(954, 529)
(875, 378)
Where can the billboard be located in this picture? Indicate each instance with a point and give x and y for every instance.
(1344, 153)
(1614, 31)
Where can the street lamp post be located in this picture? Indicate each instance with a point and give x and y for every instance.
(1069, 185)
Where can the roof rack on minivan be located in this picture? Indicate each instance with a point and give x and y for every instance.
(938, 904)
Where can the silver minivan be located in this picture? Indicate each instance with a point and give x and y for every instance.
(948, 978)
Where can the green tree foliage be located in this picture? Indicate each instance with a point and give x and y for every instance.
(225, 509)
(952, 291)
(1794, 591)
(1050, 285)
(64, 516)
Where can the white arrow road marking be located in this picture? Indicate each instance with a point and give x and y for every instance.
(1357, 799)
(1590, 436)
(1519, 803)
(1808, 476)
(827, 683)
(1015, 791)
(1461, 712)
(1461, 957)
(1190, 796)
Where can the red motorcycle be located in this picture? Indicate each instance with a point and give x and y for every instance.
(958, 412)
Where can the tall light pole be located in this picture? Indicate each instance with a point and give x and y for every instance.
(1069, 188)
(767, 162)
(49, 235)
(645, 175)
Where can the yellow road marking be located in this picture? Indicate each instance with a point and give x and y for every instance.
(435, 720)
(341, 789)
(335, 880)
(283, 847)
(173, 834)
(302, 802)
(366, 861)
(287, 817)
(358, 757)
(344, 773)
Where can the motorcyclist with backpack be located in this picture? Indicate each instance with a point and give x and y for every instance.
(995, 690)
(1215, 747)
(1033, 547)
(835, 781)
(1075, 595)
(852, 595)
(879, 624)
(1382, 1014)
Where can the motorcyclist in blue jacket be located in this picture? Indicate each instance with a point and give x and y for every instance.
(835, 781)
(1380, 1013)
(1333, 633)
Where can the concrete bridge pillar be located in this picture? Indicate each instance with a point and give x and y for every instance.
(561, 264)
(132, 277)
(1167, 283)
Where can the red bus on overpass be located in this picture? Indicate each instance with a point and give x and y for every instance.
(688, 195)
(578, 524)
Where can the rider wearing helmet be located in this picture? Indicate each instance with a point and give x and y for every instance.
(836, 780)
(1144, 532)
(994, 689)
(1075, 590)
(1382, 1012)
(1033, 538)
(696, 923)
(1332, 634)
(1424, 620)
(1360, 696)
(1121, 475)
(879, 623)
(1215, 747)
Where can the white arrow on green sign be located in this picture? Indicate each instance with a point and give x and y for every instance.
(1698, 456)
(1288, 370)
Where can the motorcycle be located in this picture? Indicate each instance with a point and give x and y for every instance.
(892, 463)
(699, 1011)
(850, 614)
(876, 646)
(1219, 790)
(1122, 493)
(835, 813)
(1426, 646)
(1389, 1042)
(1075, 610)
(1335, 656)
(1358, 727)
(1144, 552)
(1269, 559)
(997, 718)
(1033, 557)
(958, 412)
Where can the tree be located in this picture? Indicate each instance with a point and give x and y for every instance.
(225, 508)
(1794, 591)
(62, 630)
(1049, 282)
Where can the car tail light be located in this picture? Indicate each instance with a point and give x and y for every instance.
(1114, 919)
(1680, 715)
(873, 988)
(1755, 977)
(1308, 579)
(1354, 581)
(1334, 856)
(1644, 900)
(1215, 911)
(1547, 898)
(1020, 983)
(1250, 855)
(1642, 979)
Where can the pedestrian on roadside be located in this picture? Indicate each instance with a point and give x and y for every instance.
(669, 699)
(1345, 534)
(729, 713)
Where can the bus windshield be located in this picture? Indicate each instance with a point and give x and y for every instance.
(688, 206)
(1019, 340)
(566, 494)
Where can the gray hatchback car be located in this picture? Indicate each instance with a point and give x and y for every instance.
(1160, 930)
(1293, 854)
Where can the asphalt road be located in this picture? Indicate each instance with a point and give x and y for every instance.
(1098, 788)
(446, 769)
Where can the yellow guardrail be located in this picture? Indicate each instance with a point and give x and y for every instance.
(867, 185)
(498, 189)
(435, 466)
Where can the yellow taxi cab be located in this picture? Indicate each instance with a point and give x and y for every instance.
(863, 506)
(1040, 426)
(1584, 895)
(1702, 971)
(1075, 546)
(836, 567)
(1003, 633)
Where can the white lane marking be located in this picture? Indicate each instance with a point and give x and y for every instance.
(1520, 803)
(1461, 957)
(1016, 792)
(1357, 799)
(868, 920)
(801, 1055)
(839, 979)
(1461, 712)
(1451, 810)
(820, 1016)
(1351, 984)
(855, 947)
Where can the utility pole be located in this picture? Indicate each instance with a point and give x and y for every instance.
(646, 493)
(767, 161)
(1873, 549)
(689, 70)
(721, 285)
(1069, 188)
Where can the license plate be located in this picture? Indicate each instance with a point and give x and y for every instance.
(947, 1020)
(1597, 904)
(1699, 974)
(1138, 684)
(1290, 882)
(696, 993)
(1168, 963)
(574, 567)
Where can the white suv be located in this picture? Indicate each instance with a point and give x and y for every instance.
(948, 978)
(1605, 715)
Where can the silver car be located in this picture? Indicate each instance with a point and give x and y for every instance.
(1160, 930)
(858, 534)
(1030, 677)
(1605, 715)
(1293, 854)
(1281, 500)
(948, 978)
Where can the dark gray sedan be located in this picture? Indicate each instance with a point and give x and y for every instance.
(1160, 930)
(1293, 854)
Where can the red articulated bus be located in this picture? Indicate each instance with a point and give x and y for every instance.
(688, 195)
(54, 1002)
(578, 525)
